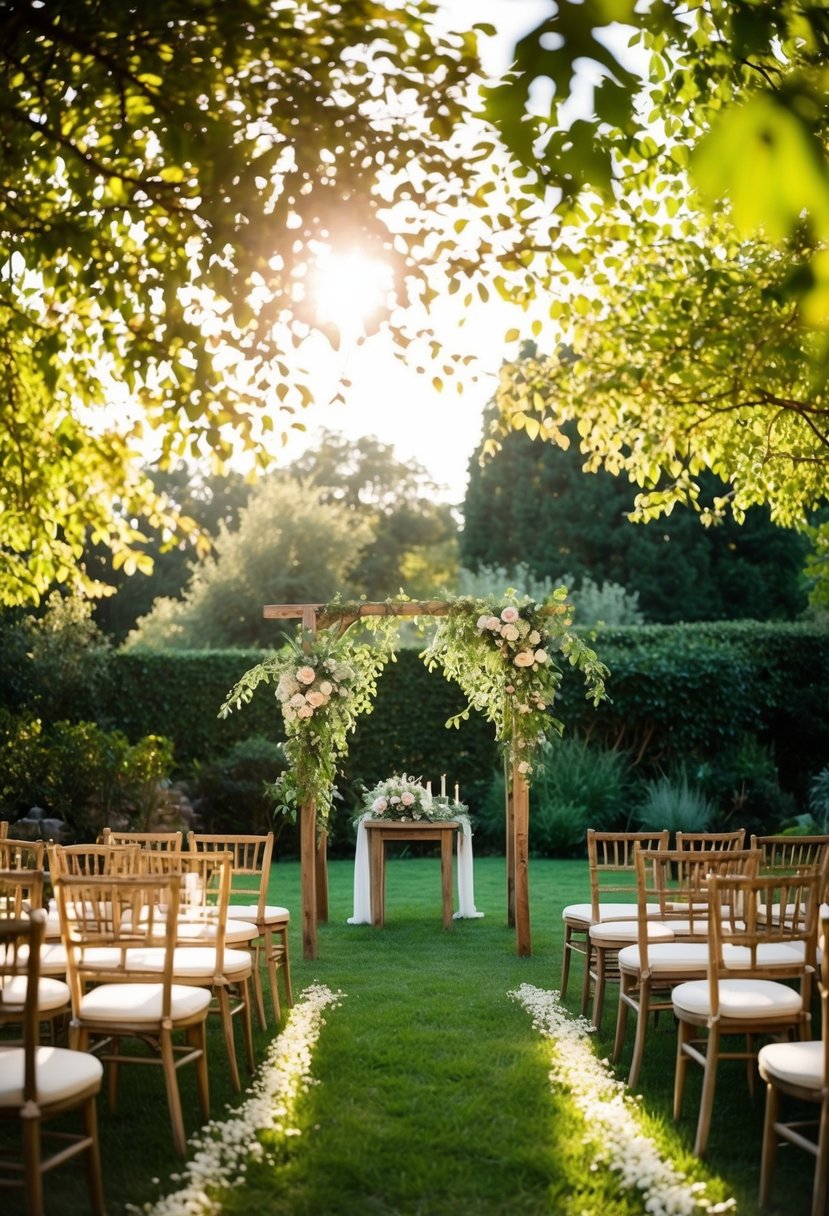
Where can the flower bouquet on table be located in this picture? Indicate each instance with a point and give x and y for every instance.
(406, 799)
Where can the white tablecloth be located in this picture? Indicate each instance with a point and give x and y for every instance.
(362, 876)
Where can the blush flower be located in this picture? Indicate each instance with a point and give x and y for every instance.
(509, 614)
(524, 658)
(541, 656)
(306, 675)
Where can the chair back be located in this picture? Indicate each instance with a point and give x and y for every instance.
(705, 841)
(89, 859)
(677, 882)
(21, 891)
(109, 922)
(250, 863)
(611, 858)
(21, 854)
(145, 840)
(204, 894)
(20, 941)
(746, 943)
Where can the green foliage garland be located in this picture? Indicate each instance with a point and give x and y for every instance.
(500, 652)
(323, 683)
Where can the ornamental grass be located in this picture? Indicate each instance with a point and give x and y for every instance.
(428, 1072)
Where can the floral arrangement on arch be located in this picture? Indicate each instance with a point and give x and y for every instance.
(503, 654)
(323, 683)
(406, 799)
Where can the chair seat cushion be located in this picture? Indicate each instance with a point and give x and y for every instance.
(793, 1063)
(204, 931)
(192, 962)
(575, 913)
(742, 999)
(52, 958)
(273, 913)
(610, 932)
(139, 1003)
(52, 995)
(60, 1074)
(667, 957)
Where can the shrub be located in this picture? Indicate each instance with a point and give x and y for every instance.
(230, 793)
(671, 802)
(744, 785)
(576, 786)
(81, 773)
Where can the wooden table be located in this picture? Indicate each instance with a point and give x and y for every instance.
(380, 832)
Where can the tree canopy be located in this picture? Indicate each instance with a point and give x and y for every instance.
(170, 175)
(691, 206)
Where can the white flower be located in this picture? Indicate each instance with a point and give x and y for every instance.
(286, 687)
(510, 632)
(510, 614)
(541, 656)
(534, 638)
(326, 688)
(379, 805)
(482, 623)
(221, 1151)
(610, 1113)
(524, 658)
(306, 675)
(305, 711)
(492, 622)
(523, 766)
(296, 700)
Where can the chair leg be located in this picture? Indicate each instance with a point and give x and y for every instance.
(642, 1016)
(227, 1030)
(684, 1032)
(31, 1164)
(709, 1085)
(820, 1192)
(247, 1025)
(585, 980)
(270, 963)
(565, 962)
(598, 991)
(173, 1095)
(196, 1038)
(627, 985)
(257, 988)
(769, 1150)
(286, 967)
(93, 1159)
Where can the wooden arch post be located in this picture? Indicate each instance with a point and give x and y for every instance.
(313, 865)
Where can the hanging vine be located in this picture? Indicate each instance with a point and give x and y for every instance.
(323, 683)
(502, 654)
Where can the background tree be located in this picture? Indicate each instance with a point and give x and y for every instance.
(415, 535)
(171, 175)
(289, 547)
(210, 501)
(533, 502)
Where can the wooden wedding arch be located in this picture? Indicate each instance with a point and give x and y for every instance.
(313, 861)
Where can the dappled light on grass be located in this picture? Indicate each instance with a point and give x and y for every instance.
(223, 1149)
(610, 1114)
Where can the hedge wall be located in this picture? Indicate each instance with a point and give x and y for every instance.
(677, 692)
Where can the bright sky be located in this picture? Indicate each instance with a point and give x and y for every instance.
(437, 430)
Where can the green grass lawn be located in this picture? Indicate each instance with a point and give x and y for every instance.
(433, 1096)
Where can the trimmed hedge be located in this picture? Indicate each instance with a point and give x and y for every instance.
(679, 693)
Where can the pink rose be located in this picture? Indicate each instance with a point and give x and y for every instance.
(509, 614)
(510, 688)
(316, 698)
(510, 632)
(407, 799)
(379, 805)
(306, 675)
(305, 711)
(524, 658)
(493, 623)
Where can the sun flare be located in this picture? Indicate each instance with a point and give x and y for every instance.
(349, 288)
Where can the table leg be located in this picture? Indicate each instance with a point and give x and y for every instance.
(378, 877)
(446, 877)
